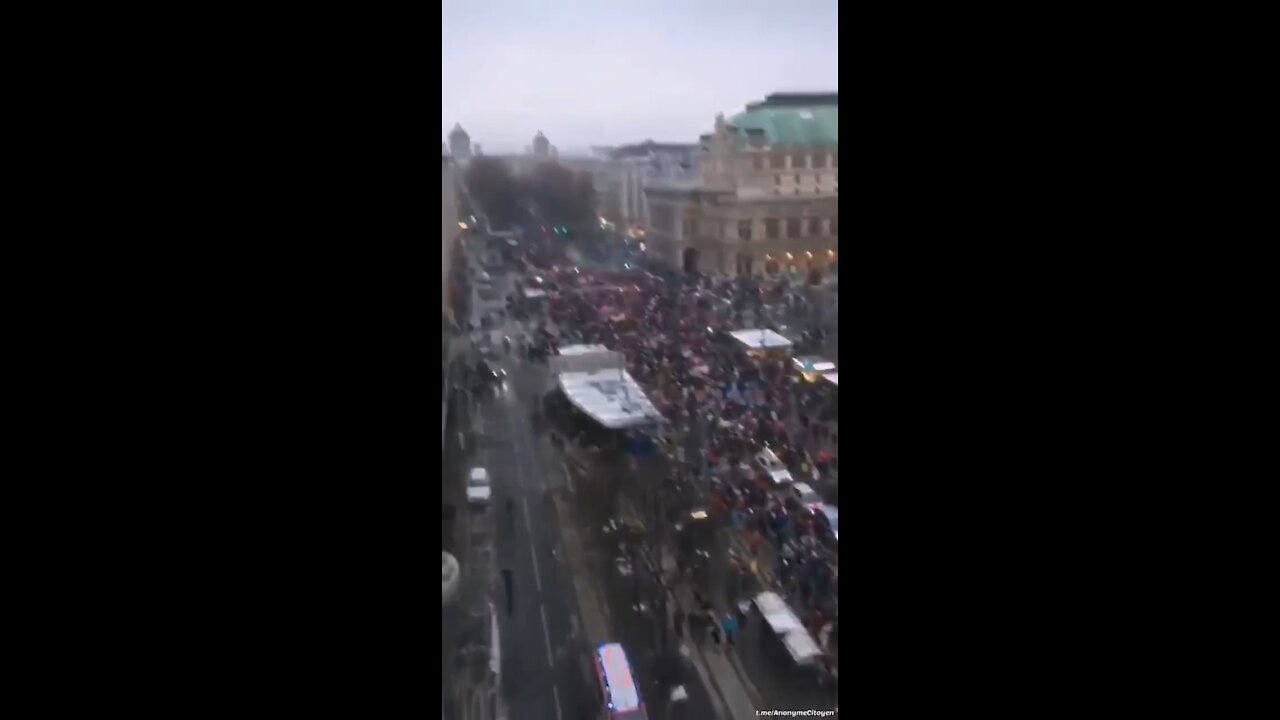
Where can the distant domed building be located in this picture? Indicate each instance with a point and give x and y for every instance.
(767, 197)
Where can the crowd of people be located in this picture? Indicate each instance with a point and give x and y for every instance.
(673, 333)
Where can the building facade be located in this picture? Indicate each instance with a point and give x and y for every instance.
(766, 197)
(448, 227)
(627, 171)
(459, 144)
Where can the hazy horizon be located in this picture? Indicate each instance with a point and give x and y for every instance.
(590, 73)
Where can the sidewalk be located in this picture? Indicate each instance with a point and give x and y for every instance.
(716, 666)
(592, 608)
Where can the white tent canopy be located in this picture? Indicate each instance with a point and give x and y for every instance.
(813, 365)
(790, 630)
(582, 349)
(801, 647)
(757, 339)
(611, 397)
(833, 378)
(777, 614)
(584, 358)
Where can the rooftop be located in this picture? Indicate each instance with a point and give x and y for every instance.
(795, 119)
(648, 147)
(582, 349)
(610, 396)
(615, 669)
(761, 339)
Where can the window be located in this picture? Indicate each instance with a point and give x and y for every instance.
(758, 162)
(744, 229)
(797, 178)
(771, 228)
(797, 160)
(777, 179)
(793, 227)
(777, 162)
(815, 227)
(820, 160)
(817, 178)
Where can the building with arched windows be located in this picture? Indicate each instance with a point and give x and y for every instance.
(766, 197)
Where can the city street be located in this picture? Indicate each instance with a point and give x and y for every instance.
(553, 525)
(528, 470)
(540, 676)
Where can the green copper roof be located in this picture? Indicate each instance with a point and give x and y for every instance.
(797, 126)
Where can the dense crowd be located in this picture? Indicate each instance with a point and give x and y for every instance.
(673, 333)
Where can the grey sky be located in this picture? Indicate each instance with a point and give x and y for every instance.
(602, 72)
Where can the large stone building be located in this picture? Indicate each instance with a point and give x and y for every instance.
(625, 172)
(459, 144)
(766, 200)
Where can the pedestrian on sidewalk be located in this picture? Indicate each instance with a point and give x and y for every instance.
(715, 634)
(730, 625)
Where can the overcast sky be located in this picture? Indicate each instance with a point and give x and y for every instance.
(607, 72)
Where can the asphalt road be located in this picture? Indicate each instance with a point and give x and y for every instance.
(542, 673)
(545, 658)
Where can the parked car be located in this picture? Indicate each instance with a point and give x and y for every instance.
(478, 489)
(767, 461)
(805, 495)
(830, 520)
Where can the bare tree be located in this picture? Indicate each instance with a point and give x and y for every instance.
(493, 186)
(564, 197)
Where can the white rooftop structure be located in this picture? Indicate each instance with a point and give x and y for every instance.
(584, 358)
(777, 614)
(802, 647)
(766, 339)
(610, 396)
(583, 349)
(813, 365)
(783, 620)
(833, 378)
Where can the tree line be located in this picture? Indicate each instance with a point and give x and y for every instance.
(562, 196)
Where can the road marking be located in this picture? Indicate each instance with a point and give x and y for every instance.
(537, 576)
(555, 693)
(546, 634)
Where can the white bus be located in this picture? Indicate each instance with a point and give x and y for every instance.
(619, 694)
